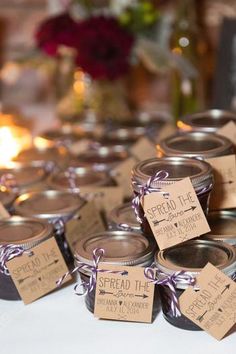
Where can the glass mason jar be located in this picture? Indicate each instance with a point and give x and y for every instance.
(223, 226)
(195, 145)
(192, 257)
(124, 248)
(58, 156)
(207, 121)
(30, 176)
(123, 218)
(25, 233)
(199, 172)
(57, 207)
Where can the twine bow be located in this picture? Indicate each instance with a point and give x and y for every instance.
(88, 287)
(8, 252)
(158, 277)
(146, 189)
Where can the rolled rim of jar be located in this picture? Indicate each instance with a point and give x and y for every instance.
(123, 217)
(207, 121)
(199, 172)
(24, 232)
(223, 226)
(50, 205)
(124, 248)
(195, 144)
(199, 253)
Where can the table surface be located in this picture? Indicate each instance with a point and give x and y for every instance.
(60, 323)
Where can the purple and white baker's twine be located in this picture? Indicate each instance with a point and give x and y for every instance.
(8, 181)
(8, 252)
(89, 286)
(159, 278)
(146, 189)
(71, 177)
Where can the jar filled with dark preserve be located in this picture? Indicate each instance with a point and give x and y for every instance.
(56, 207)
(123, 218)
(57, 137)
(192, 257)
(121, 248)
(223, 226)
(25, 233)
(81, 177)
(195, 145)
(199, 172)
(208, 121)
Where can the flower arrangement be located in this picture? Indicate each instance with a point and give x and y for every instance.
(107, 37)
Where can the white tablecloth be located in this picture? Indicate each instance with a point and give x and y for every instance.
(60, 323)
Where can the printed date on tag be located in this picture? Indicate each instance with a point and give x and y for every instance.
(127, 296)
(213, 306)
(176, 216)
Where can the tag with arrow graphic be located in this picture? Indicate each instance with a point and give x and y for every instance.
(35, 273)
(213, 306)
(127, 296)
(223, 195)
(177, 216)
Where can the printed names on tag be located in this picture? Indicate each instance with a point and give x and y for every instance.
(176, 216)
(122, 176)
(223, 195)
(229, 131)
(35, 273)
(89, 221)
(125, 297)
(3, 212)
(213, 306)
(105, 198)
(143, 149)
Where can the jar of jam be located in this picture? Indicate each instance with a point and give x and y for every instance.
(25, 233)
(81, 176)
(123, 218)
(199, 172)
(209, 121)
(192, 257)
(57, 137)
(29, 176)
(121, 248)
(58, 156)
(195, 144)
(56, 207)
(223, 226)
(101, 159)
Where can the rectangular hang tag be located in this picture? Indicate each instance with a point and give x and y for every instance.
(89, 221)
(223, 194)
(228, 131)
(167, 130)
(105, 198)
(213, 306)
(35, 274)
(143, 149)
(3, 212)
(124, 297)
(122, 176)
(176, 216)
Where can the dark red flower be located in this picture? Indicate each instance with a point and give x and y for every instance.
(103, 47)
(56, 31)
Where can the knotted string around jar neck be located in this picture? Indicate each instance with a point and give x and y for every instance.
(8, 252)
(71, 178)
(156, 276)
(89, 286)
(8, 181)
(147, 189)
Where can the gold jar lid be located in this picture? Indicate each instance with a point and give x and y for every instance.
(50, 204)
(82, 177)
(208, 121)
(123, 217)
(192, 256)
(200, 172)
(121, 248)
(195, 144)
(223, 226)
(25, 174)
(54, 137)
(26, 232)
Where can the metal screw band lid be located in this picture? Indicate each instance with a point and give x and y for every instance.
(223, 226)
(200, 172)
(123, 217)
(195, 144)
